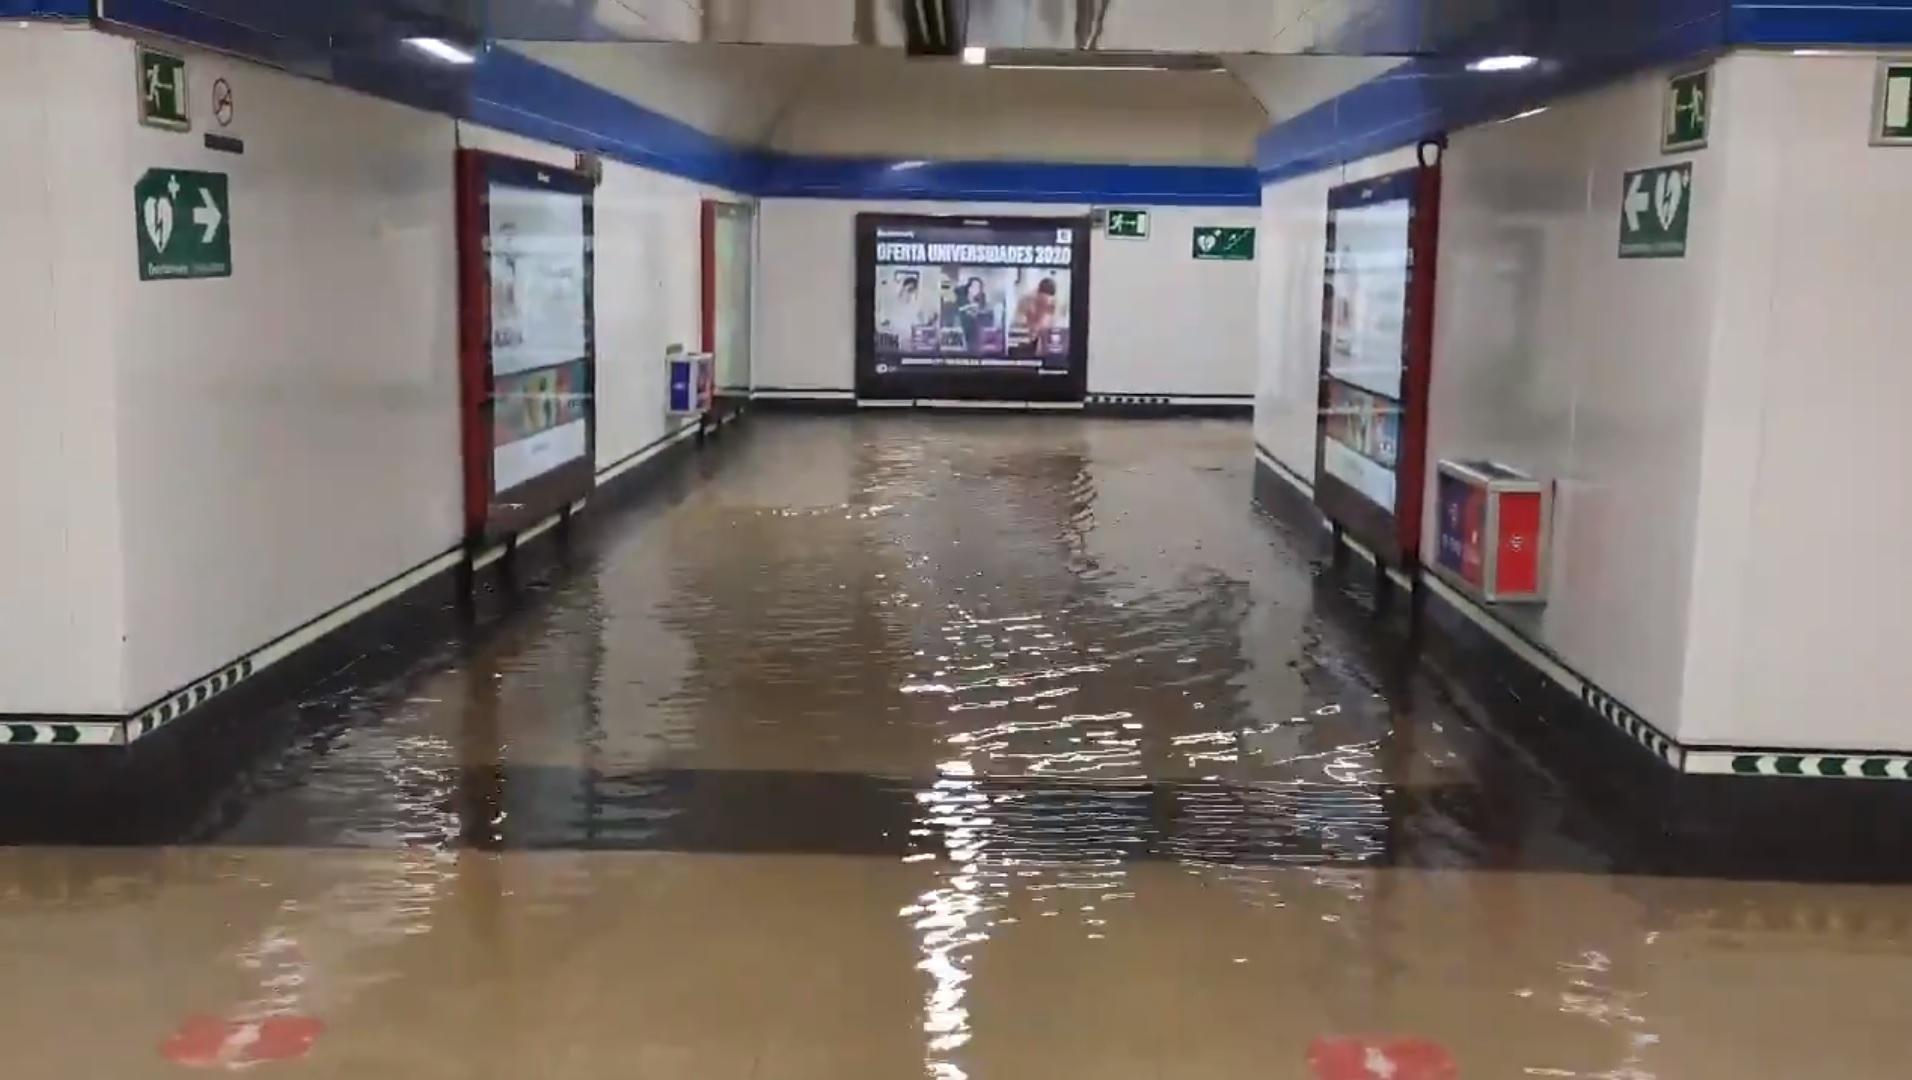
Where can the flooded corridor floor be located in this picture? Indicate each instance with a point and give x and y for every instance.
(922, 747)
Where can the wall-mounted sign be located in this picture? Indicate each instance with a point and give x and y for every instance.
(977, 308)
(1655, 208)
(1892, 104)
(223, 104)
(184, 224)
(1689, 108)
(1128, 225)
(1225, 242)
(162, 91)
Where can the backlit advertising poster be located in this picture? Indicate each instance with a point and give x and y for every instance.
(525, 295)
(1367, 334)
(538, 332)
(972, 308)
(1376, 339)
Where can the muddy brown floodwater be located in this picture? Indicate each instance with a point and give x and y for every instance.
(920, 746)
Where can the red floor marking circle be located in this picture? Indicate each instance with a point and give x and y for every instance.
(1381, 1059)
(207, 1042)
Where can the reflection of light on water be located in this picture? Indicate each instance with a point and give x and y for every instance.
(1018, 841)
(306, 951)
(949, 918)
(1590, 993)
(282, 970)
(301, 961)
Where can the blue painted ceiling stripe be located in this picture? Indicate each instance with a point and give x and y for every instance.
(46, 9)
(790, 176)
(1821, 22)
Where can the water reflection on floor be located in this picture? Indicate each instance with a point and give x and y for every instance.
(926, 747)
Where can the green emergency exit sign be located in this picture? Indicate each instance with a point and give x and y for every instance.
(1689, 108)
(163, 101)
(1892, 104)
(1129, 224)
(1224, 242)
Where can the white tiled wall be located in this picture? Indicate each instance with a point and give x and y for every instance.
(1160, 322)
(60, 582)
(1802, 607)
(1554, 355)
(1166, 322)
(226, 459)
(289, 435)
(649, 296)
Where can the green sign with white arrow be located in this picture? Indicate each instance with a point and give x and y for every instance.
(1892, 105)
(163, 100)
(184, 223)
(1129, 224)
(1226, 242)
(1655, 207)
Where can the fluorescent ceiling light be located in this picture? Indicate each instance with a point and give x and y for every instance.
(1525, 115)
(1088, 67)
(1511, 62)
(975, 54)
(1101, 60)
(1815, 52)
(441, 49)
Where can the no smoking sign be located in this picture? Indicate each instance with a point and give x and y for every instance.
(222, 103)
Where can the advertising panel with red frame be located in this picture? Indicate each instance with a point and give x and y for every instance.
(708, 237)
(1377, 339)
(527, 343)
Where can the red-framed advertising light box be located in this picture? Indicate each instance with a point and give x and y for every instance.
(1377, 339)
(527, 340)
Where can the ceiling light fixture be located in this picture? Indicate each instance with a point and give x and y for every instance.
(440, 49)
(1510, 62)
(1525, 115)
(1815, 52)
(975, 55)
(1087, 67)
